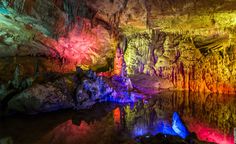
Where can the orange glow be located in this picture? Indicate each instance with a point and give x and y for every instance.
(117, 116)
(118, 62)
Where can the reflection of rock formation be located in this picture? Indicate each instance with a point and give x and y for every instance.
(195, 108)
(102, 131)
(117, 117)
(69, 133)
(109, 123)
(85, 126)
(218, 110)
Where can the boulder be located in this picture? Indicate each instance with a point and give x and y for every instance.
(40, 98)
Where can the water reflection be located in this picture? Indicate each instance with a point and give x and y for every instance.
(217, 109)
(211, 116)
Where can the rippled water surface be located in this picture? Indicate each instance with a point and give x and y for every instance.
(211, 116)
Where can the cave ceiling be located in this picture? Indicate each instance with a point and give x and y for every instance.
(86, 32)
(194, 17)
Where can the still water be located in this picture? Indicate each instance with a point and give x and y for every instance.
(211, 116)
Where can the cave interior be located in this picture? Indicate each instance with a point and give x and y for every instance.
(117, 71)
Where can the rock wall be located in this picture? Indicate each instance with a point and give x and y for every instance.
(188, 44)
(197, 63)
(56, 35)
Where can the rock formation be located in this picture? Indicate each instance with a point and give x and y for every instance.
(189, 44)
(58, 54)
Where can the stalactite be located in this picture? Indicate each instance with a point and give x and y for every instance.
(148, 11)
(16, 79)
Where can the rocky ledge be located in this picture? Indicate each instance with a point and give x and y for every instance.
(50, 92)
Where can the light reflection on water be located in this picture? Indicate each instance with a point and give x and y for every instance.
(211, 116)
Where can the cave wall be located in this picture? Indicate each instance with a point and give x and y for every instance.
(55, 36)
(187, 44)
(197, 63)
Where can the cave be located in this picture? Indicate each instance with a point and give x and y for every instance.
(117, 71)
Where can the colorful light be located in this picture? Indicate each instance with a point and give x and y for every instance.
(207, 133)
(86, 46)
(117, 116)
(178, 126)
(3, 11)
(140, 130)
(176, 129)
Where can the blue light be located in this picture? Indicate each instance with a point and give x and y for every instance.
(176, 129)
(140, 130)
(3, 10)
(124, 97)
(166, 128)
(178, 126)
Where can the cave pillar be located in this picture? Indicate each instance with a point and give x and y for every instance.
(119, 62)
